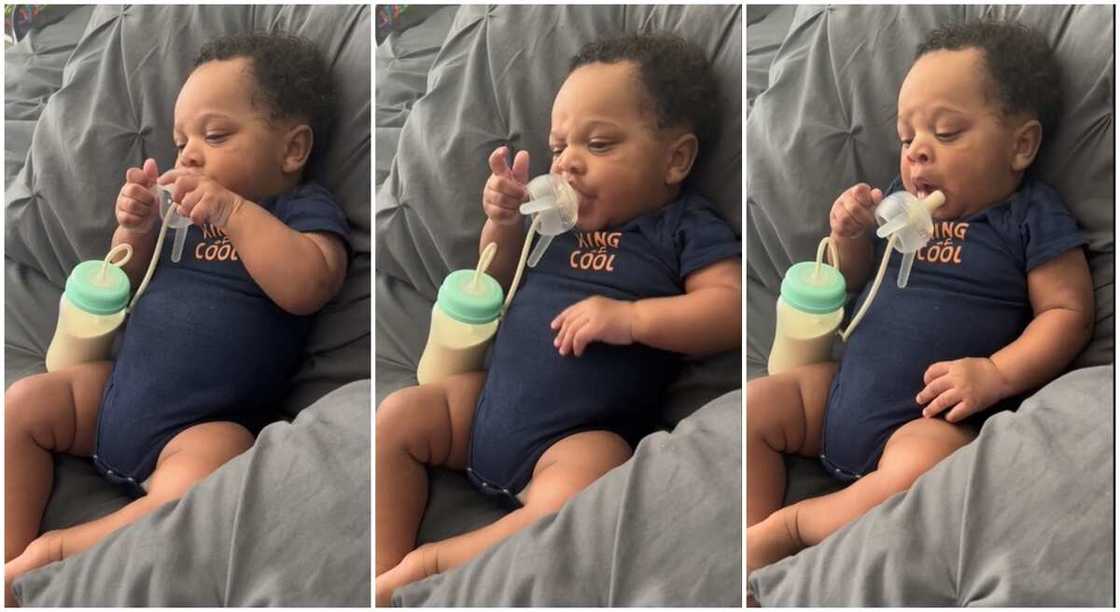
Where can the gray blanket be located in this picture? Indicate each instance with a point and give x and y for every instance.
(1023, 516)
(285, 524)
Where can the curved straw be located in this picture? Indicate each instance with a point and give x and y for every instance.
(152, 263)
(483, 263)
(521, 262)
(874, 289)
(124, 246)
(833, 253)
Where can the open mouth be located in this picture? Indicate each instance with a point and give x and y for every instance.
(923, 188)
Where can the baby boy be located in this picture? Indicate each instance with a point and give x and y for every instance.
(1003, 313)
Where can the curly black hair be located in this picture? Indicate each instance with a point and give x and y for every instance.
(675, 74)
(1021, 65)
(293, 79)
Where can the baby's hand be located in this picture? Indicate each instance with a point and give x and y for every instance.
(595, 318)
(202, 199)
(136, 204)
(966, 385)
(854, 211)
(505, 189)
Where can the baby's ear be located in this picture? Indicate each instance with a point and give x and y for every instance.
(682, 153)
(297, 148)
(1027, 140)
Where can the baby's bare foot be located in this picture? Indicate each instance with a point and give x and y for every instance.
(416, 565)
(772, 540)
(45, 549)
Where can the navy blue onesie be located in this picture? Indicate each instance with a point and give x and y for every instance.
(533, 396)
(203, 343)
(966, 297)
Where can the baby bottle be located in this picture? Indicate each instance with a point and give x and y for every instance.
(464, 319)
(89, 312)
(810, 308)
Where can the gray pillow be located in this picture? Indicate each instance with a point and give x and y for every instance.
(826, 121)
(114, 109)
(1023, 516)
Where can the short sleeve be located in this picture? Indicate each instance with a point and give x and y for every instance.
(311, 208)
(702, 238)
(1047, 228)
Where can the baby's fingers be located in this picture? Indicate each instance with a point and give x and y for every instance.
(961, 411)
(521, 166)
(949, 397)
(586, 335)
(497, 161)
(504, 187)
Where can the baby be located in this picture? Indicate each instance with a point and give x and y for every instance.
(581, 357)
(213, 341)
(1005, 312)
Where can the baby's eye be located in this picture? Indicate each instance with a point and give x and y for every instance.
(599, 146)
(216, 136)
(947, 136)
(180, 147)
(557, 150)
(905, 142)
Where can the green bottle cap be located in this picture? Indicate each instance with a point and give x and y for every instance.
(477, 304)
(811, 291)
(87, 289)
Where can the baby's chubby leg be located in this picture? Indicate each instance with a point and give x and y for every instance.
(48, 413)
(785, 413)
(187, 458)
(417, 427)
(911, 451)
(566, 468)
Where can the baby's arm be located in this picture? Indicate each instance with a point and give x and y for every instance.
(1061, 294)
(137, 219)
(852, 215)
(299, 271)
(503, 194)
(705, 319)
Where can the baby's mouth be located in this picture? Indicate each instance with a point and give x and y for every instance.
(922, 188)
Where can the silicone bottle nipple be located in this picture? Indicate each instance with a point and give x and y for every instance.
(556, 207)
(906, 220)
(174, 220)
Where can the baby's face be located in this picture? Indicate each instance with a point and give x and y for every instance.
(606, 144)
(954, 136)
(222, 135)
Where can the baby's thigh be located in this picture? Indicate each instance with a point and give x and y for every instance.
(431, 422)
(786, 411)
(570, 465)
(58, 410)
(919, 445)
